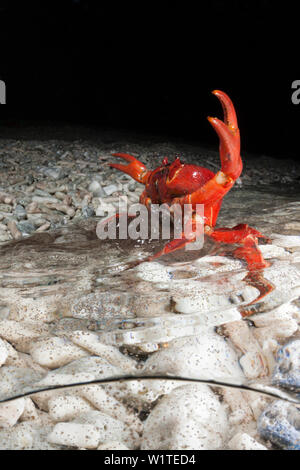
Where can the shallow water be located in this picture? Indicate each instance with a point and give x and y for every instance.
(70, 281)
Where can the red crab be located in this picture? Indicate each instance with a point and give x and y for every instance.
(191, 184)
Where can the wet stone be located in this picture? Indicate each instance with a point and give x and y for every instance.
(20, 212)
(287, 371)
(280, 423)
(88, 211)
(26, 228)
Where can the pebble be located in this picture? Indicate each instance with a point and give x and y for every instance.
(91, 342)
(20, 212)
(66, 408)
(96, 188)
(54, 352)
(25, 436)
(279, 423)
(21, 334)
(197, 357)
(25, 227)
(75, 435)
(91, 429)
(10, 412)
(43, 227)
(110, 189)
(88, 211)
(287, 371)
(243, 441)
(191, 417)
(44, 200)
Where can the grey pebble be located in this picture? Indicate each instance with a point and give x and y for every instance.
(25, 227)
(20, 212)
(88, 211)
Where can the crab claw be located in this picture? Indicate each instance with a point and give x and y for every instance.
(135, 169)
(229, 135)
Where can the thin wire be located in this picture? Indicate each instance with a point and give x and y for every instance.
(126, 378)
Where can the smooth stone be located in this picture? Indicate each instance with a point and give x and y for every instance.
(91, 429)
(287, 371)
(25, 436)
(243, 441)
(26, 228)
(206, 356)
(55, 352)
(96, 188)
(280, 424)
(10, 412)
(88, 211)
(110, 189)
(65, 408)
(20, 212)
(191, 417)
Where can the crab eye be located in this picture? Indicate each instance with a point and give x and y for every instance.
(165, 161)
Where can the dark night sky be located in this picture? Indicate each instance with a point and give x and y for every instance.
(151, 68)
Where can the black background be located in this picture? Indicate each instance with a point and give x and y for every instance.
(150, 67)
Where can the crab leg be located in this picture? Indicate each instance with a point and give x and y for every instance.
(187, 236)
(249, 251)
(135, 169)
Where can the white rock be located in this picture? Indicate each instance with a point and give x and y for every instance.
(110, 429)
(190, 418)
(39, 310)
(251, 364)
(104, 402)
(243, 441)
(279, 330)
(153, 272)
(30, 412)
(110, 189)
(45, 199)
(81, 370)
(286, 311)
(206, 356)
(10, 412)
(65, 408)
(75, 435)
(91, 429)
(240, 410)
(273, 251)
(3, 352)
(242, 337)
(91, 342)
(140, 392)
(55, 352)
(94, 187)
(21, 333)
(25, 436)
